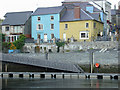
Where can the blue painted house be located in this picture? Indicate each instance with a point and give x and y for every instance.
(45, 23)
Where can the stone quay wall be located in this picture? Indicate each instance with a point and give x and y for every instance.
(30, 47)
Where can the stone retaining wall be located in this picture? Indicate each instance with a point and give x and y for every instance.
(30, 47)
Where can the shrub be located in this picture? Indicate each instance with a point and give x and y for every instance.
(12, 46)
(59, 44)
(20, 42)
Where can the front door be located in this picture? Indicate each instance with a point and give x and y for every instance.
(45, 37)
(64, 37)
(38, 38)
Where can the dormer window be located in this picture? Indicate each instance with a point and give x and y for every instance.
(90, 9)
(52, 17)
(38, 18)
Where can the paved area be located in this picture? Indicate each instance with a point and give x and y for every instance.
(105, 58)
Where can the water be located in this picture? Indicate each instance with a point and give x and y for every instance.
(59, 83)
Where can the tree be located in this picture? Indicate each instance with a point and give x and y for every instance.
(59, 44)
(20, 42)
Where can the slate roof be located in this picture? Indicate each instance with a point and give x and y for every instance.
(16, 18)
(48, 10)
(82, 5)
(69, 16)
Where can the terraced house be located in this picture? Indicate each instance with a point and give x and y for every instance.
(46, 23)
(15, 24)
(82, 22)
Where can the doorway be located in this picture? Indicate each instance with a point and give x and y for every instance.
(45, 37)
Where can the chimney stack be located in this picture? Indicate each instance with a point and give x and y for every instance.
(77, 12)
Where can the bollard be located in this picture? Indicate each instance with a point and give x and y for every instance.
(59, 76)
(47, 76)
(93, 76)
(75, 76)
(37, 75)
(106, 77)
(5, 75)
(26, 75)
(15, 75)
(67, 76)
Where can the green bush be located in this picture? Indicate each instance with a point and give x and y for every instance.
(20, 42)
(59, 44)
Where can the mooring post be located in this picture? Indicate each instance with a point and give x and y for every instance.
(91, 60)
(6, 67)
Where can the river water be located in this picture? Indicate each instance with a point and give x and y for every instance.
(58, 83)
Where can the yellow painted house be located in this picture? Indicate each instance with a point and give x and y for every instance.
(80, 25)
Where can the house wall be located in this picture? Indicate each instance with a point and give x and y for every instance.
(46, 21)
(27, 30)
(75, 27)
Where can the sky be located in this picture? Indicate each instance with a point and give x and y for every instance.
(31, 5)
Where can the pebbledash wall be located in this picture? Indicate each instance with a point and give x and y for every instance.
(46, 21)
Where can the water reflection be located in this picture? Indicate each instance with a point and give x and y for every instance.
(59, 83)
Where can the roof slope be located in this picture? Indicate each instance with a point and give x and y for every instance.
(82, 5)
(16, 18)
(69, 16)
(48, 10)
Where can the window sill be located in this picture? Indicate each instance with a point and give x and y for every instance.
(66, 29)
(39, 29)
(84, 38)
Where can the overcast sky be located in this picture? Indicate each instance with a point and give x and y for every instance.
(31, 5)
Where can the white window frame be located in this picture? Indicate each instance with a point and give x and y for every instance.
(51, 18)
(86, 32)
(51, 26)
(38, 27)
(85, 25)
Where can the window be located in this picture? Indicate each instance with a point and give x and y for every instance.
(87, 25)
(52, 36)
(52, 17)
(40, 27)
(66, 26)
(38, 18)
(7, 28)
(52, 26)
(94, 25)
(84, 35)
